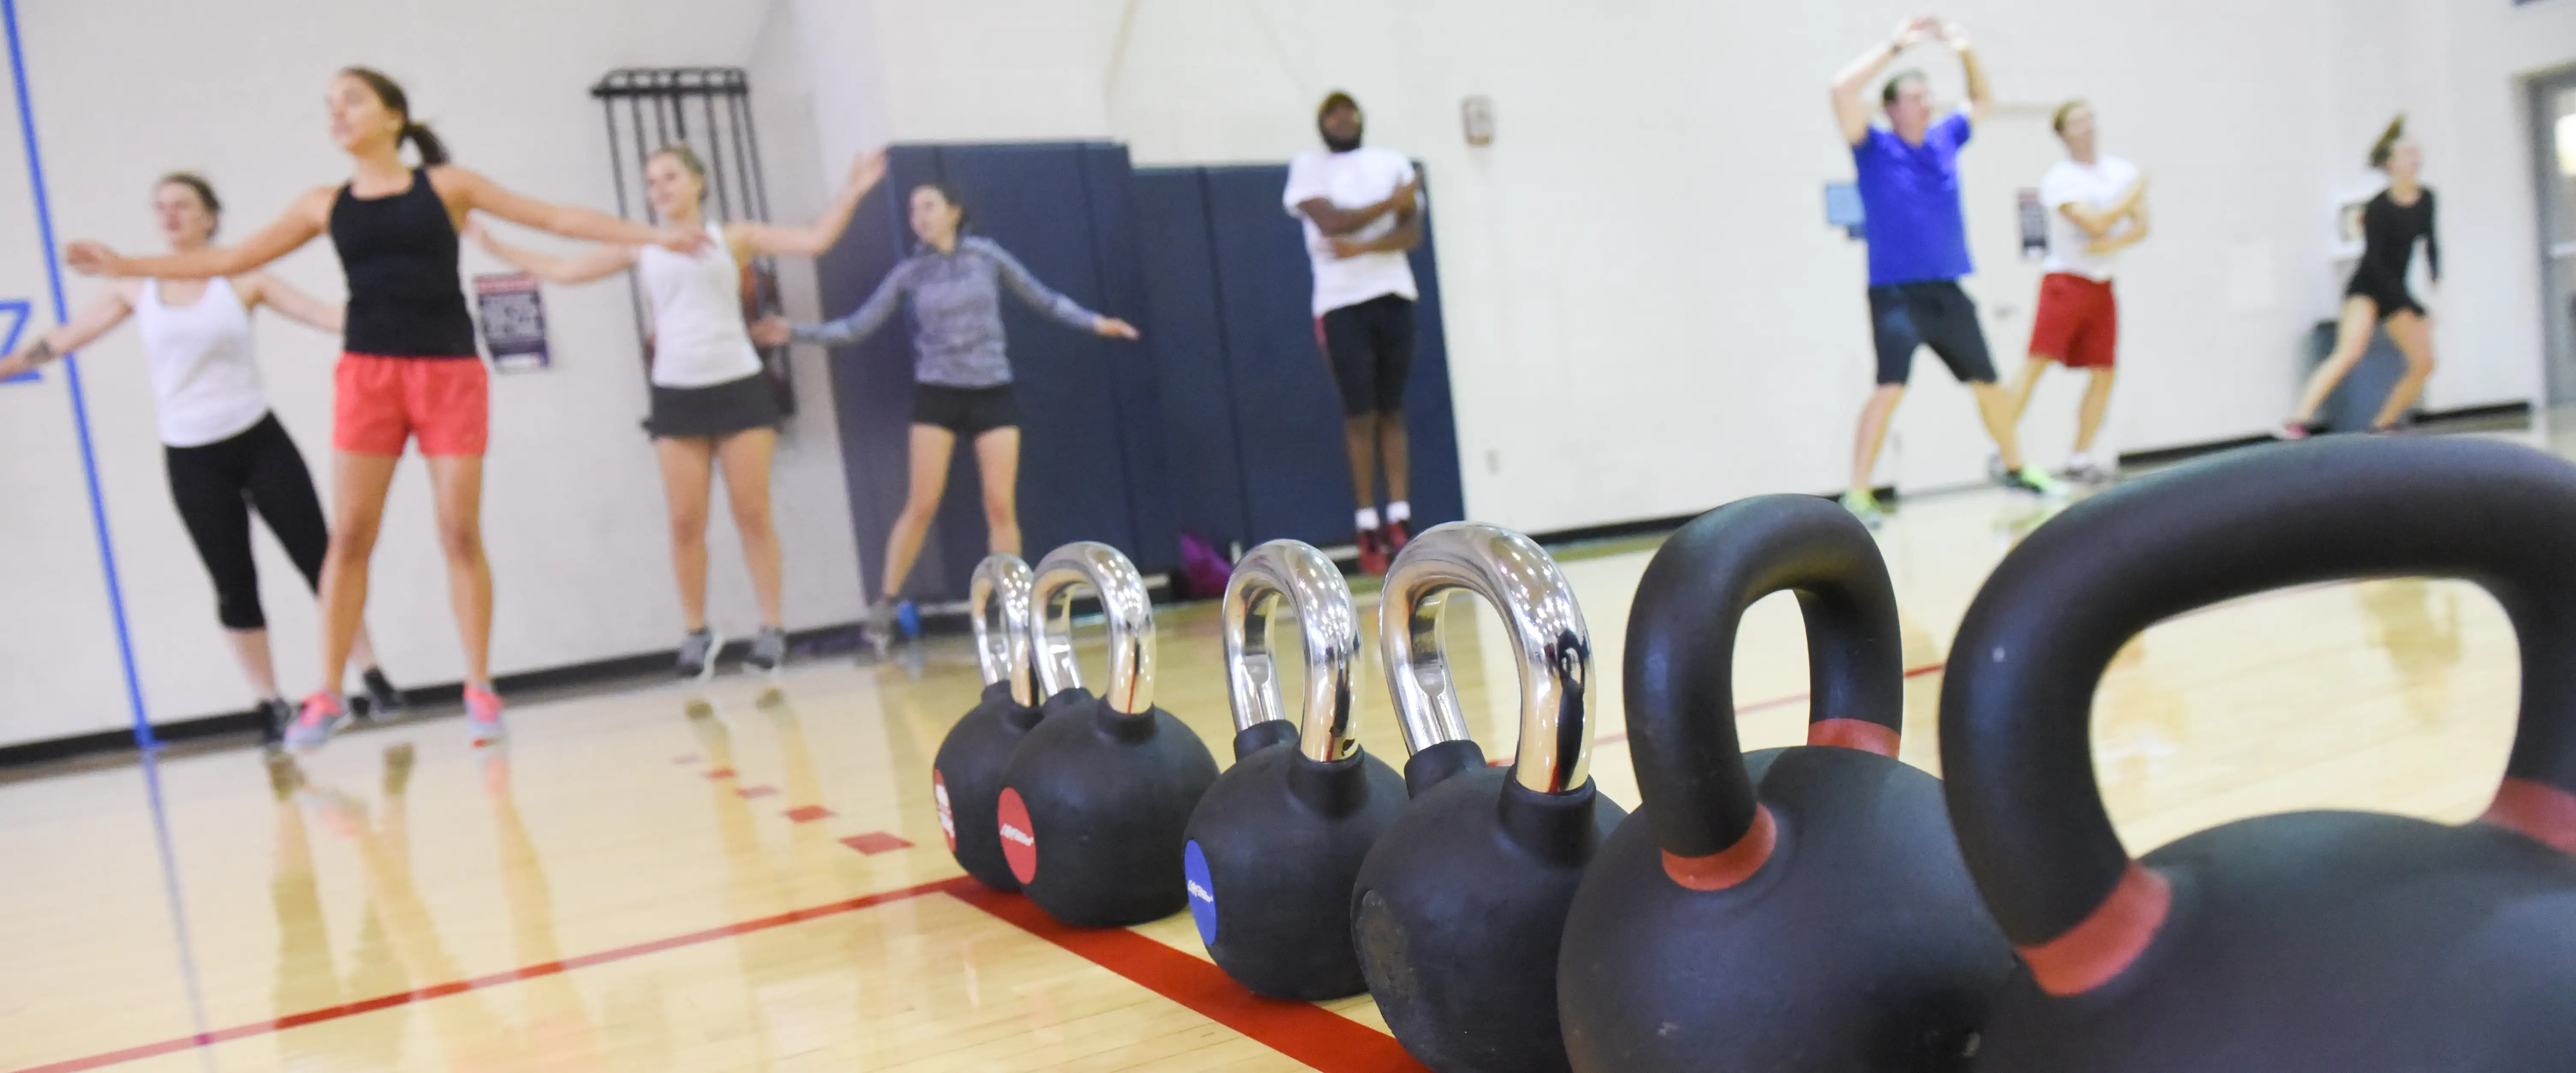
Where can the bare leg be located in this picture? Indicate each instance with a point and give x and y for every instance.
(358, 485)
(2025, 381)
(931, 446)
(688, 467)
(1996, 406)
(456, 483)
(1396, 454)
(2352, 336)
(746, 457)
(1874, 416)
(2088, 416)
(1359, 438)
(362, 651)
(2414, 336)
(997, 459)
(250, 649)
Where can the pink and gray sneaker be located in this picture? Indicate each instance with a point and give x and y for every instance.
(482, 716)
(315, 722)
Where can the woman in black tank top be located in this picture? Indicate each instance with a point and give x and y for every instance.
(2377, 296)
(410, 367)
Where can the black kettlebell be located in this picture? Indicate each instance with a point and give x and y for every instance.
(1798, 909)
(1094, 798)
(967, 772)
(1273, 848)
(2302, 942)
(1458, 907)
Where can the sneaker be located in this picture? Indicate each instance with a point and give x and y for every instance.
(2082, 469)
(1865, 506)
(2035, 481)
(1373, 557)
(1995, 468)
(314, 723)
(768, 651)
(2293, 430)
(381, 703)
(698, 654)
(880, 626)
(273, 715)
(1398, 534)
(482, 716)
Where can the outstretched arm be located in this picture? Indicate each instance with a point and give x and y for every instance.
(1851, 84)
(861, 322)
(597, 262)
(102, 314)
(812, 240)
(308, 217)
(295, 305)
(566, 220)
(1065, 310)
(1981, 95)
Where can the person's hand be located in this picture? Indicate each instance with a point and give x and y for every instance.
(93, 259)
(867, 171)
(1405, 195)
(1114, 328)
(1346, 248)
(474, 230)
(1912, 32)
(681, 239)
(1953, 35)
(772, 331)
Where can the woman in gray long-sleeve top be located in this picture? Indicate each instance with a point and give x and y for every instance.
(962, 374)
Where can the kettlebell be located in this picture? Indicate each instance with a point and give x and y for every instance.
(1458, 908)
(2302, 942)
(1796, 909)
(1094, 798)
(1273, 848)
(966, 773)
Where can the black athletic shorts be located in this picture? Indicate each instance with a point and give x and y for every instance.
(1370, 346)
(1934, 313)
(714, 411)
(967, 411)
(2389, 297)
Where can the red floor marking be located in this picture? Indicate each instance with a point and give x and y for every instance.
(876, 842)
(749, 792)
(808, 813)
(721, 773)
(1760, 705)
(511, 976)
(1308, 1033)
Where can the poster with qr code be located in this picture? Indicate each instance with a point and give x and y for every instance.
(514, 322)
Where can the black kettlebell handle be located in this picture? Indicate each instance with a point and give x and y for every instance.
(1680, 663)
(998, 607)
(1315, 592)
(1513, 575)
(1124, 602)
(2016, 706)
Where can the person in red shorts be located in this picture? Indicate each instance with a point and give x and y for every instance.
(2097, 207)
(411, 369)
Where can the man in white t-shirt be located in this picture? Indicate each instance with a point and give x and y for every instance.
(2096, 207)
(1362, 214)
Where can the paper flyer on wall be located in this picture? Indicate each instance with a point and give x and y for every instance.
(514, 321)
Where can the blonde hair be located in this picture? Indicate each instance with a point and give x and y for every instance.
(688, 158)
(2058, 122)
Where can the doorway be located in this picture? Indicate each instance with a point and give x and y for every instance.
(2553, 112)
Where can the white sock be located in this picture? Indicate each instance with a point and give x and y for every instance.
(1366, 517)
(2079, 460)
(1399, 511)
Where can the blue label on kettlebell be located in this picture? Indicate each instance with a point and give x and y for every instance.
(1202, 891)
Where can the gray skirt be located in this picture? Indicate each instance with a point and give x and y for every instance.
(716, 410)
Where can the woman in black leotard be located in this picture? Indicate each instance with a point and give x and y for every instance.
(2390, 225)
(410, 367)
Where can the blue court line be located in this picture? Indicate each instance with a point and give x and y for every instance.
(71, 375)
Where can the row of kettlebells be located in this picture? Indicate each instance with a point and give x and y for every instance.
(1822, 907)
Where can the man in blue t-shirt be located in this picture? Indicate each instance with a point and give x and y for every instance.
(1918, 248)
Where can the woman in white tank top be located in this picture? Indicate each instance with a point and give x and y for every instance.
(227, 455)
(712, 401)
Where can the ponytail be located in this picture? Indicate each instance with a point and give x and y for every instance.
(432, 151)
(390, 94)
(2386, 146)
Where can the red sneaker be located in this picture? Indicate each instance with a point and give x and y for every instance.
(1372, 552)
(1398, 534)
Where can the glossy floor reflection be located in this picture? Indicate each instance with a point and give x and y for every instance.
(749, 875)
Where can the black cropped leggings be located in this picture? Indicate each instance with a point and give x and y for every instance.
(217, 486)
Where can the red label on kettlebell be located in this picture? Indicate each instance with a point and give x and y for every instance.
(947, 820)
(1019, 837)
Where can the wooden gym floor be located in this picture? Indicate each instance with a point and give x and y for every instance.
(749, 875)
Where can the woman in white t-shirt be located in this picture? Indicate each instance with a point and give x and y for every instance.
(226, 454)
(712, 401)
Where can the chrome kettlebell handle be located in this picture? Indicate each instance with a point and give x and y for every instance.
(1321, 600)
(1123, 601)
(998, 606)
(1515, 576)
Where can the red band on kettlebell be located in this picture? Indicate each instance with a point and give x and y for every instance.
(2105, 942)
(1732, 865)
(1858, 734)
(2537, 809)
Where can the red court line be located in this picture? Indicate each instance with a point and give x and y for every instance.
(511, 976)
(1306, 1032)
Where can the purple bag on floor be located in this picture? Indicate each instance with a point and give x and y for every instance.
(1203, 570)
